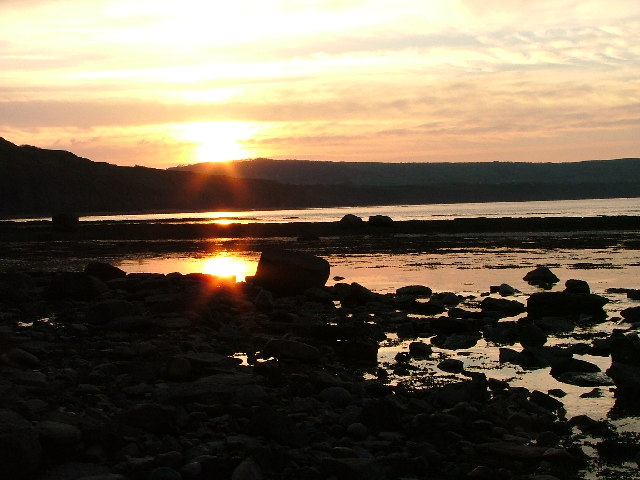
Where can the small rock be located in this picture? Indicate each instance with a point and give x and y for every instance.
(577, 286)
(164, 473)
(541, 276)
(420, 349)
(451, 365)
(380, 221)
(415, 291)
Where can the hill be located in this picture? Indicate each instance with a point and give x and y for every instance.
(306, 172)
(40, 182)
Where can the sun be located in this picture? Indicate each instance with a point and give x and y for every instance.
(216, 141)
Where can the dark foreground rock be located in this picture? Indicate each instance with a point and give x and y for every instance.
(194, 377)
(287, 272)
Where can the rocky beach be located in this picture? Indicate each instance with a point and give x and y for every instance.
(108, 375)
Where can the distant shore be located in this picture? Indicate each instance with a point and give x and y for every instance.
(147, 230)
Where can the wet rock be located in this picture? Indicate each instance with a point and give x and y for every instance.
(286, 272)
(20, 449)
(353, 294)
(291, 349)
(541, 304)
(338, 396)
(58, 435)
(105, 311)
(415, 291)
(420, 349)
(582, 379)
(19, 357)
(75, 286)
(573, 365)
(577, 286)
(165, 473)
(506, 290)
(275, 425)
(353, 468)
(456, 341)
(151, 417)
(451, 365)
(248, 469)
(541, 276)
(502, 306)
(351, 220)
(631, 314)
(546, 401)
(104, 271)
(530, 335)
(380, 221)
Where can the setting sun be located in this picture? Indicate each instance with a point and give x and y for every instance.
(228, 266)
(216, 141)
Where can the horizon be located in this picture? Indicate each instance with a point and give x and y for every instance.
(141, 83)
(221, 163)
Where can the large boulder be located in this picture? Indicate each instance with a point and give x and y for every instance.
(20, 449)
(287, 272)
(541, 304)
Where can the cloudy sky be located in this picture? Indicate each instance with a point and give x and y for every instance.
(161, 83)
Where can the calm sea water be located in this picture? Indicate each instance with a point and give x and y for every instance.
(438, 211)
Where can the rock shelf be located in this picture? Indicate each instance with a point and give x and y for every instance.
(109, 376)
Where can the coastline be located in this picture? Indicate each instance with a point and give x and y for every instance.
(172, 229)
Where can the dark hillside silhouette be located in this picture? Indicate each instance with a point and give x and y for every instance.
(306, 172)
(35, 181)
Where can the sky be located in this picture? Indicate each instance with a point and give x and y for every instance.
(161, 83)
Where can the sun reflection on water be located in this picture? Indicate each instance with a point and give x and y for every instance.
(225, 265)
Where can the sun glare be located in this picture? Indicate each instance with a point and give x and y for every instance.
(216, 141)
(227, 266)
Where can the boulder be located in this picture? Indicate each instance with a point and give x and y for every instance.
(502, 307)
(75, 286)
(414, 291)
(380, 221)
(631, 314)
(541, 304)
(351, 220)
(451, 365)
(577, 286)
(291, 349)
(286, 272)
(104, 271)
(541, 276)
(506, 290)
(20, 449)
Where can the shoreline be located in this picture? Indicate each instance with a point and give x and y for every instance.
(146, 230)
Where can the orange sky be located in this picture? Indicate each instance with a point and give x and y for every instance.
(139, 82)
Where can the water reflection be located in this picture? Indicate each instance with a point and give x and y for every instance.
(227, 265)
(223, 264)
